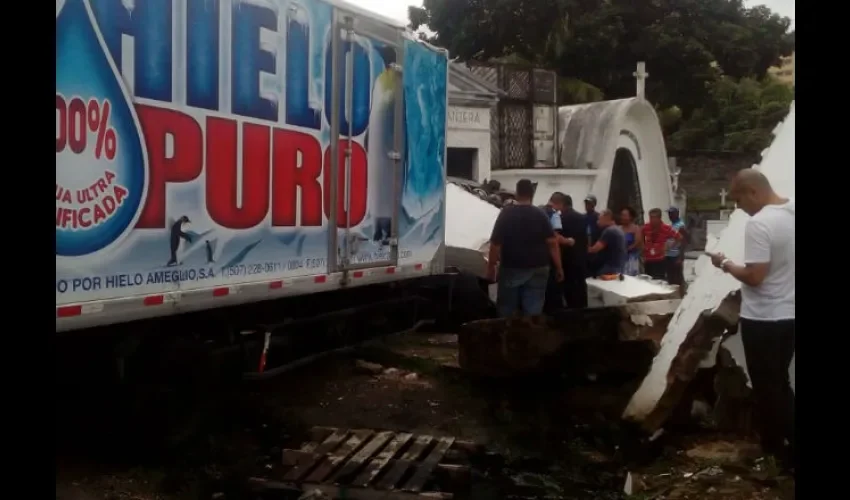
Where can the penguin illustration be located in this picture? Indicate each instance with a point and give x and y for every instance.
(381, 142)
(210, 258)
(177, 233)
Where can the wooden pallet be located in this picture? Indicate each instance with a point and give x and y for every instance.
(370, 465)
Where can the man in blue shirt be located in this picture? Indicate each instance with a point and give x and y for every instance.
(554, 215)
(611, 246)
(675, 255)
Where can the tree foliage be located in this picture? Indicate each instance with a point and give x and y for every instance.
(687, 44)
(739, 116)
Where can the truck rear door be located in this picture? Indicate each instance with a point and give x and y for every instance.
(366, 125)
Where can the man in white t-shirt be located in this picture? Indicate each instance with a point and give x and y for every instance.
(767, 306)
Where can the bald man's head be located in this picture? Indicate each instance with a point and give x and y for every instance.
(751, 190)
(751, 178)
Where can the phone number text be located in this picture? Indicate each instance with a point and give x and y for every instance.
(253, 269)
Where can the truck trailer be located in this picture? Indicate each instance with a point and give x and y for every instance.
(214, 153)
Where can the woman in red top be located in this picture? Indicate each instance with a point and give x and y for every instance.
(655, 236)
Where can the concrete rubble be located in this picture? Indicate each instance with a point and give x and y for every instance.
(695, 336)
(646, 320)
(621, 338)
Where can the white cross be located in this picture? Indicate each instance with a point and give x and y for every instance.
(641, 75)
(723, 194)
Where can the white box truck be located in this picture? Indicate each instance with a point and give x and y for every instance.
(220, 152)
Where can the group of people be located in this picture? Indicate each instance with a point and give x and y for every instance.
(655, 248)
(537, 251)
(546, 253)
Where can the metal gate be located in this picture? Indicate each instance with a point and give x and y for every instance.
(513, 131)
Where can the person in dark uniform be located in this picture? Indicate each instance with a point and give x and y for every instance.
(591, 220)
(554, 293)
(574, 244)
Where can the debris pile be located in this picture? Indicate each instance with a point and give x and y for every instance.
(713, 469)
(394, 374)
(590, 341)
(697, 335)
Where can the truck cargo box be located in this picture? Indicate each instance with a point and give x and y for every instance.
(213, 152)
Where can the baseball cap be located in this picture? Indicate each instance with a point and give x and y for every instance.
(590, 198)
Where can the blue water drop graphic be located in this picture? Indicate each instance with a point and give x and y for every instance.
(101, 161)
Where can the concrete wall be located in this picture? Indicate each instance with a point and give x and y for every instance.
(704, 174)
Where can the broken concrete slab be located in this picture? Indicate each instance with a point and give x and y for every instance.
(602, 293)
(468, 230)
(705, 314)
(646, 320)
(620, 339)
(710, 307)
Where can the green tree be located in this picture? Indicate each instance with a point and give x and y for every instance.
(687, 44)
(739, 116)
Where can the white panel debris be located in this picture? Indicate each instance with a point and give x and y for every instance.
(692, 332)
(631, 289)
(469, 223)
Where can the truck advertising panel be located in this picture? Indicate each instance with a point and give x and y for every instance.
(194, 145)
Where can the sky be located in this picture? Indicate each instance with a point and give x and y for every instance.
(397, 9)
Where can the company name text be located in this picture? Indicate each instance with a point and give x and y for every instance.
(254, 168)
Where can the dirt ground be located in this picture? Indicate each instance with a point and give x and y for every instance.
(408, 384)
